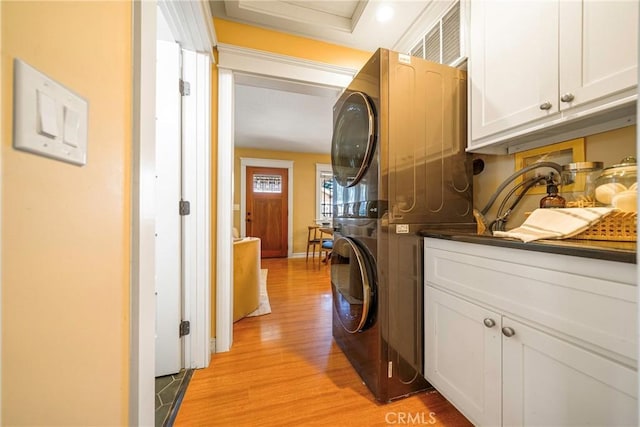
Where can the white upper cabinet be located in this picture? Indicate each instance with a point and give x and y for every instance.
(513, 63)
(546, 71)
(598, 50)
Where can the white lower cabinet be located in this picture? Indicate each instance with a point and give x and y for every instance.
(504, 346)
(463, 357)
(547, 381)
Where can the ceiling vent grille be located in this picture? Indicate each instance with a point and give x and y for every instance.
(418, 50)
(442, 42)
(432, 45)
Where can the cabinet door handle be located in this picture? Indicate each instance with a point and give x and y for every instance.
(508, 332)
(545, 105)
(567, 97)
(489, 323)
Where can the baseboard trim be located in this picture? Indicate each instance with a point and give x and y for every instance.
(298, 255)
(212, 345)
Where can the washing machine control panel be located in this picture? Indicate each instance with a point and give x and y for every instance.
(370, 209)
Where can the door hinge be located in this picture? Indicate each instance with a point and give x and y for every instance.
(185, 88)
(185, 328)
(184, 207)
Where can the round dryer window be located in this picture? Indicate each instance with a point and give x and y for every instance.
(351, 285)
(354, 137)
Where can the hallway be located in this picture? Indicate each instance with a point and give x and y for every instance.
(285, 369)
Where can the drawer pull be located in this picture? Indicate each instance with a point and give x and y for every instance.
(508, 332)
(489, 323)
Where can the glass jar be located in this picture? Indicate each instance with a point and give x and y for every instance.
(617, 186)
(578, 183)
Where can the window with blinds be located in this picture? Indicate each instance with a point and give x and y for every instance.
(442, 42)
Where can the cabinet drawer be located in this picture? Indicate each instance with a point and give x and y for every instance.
(597, 309)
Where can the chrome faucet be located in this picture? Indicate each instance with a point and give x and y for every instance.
(502, 217)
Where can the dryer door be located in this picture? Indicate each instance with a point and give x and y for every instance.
(354, 138)
(352, 285)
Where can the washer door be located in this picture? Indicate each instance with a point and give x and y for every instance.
(352, 285)
(353, 141)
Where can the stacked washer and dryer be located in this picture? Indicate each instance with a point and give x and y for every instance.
(399, 164)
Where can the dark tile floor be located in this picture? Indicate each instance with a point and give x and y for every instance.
(169, 393)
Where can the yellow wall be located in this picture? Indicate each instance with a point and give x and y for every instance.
(284, 44)
(65, 229)
(304, 188)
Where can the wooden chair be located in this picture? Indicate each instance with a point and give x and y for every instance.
(313, 240)
(326, 246)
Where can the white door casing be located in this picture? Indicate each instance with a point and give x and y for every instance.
(224, 234)
(168, 248)
(237, 59)
(142, 310)
(142, 343)
(196, 188)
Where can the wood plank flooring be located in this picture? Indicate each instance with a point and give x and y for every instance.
(285, 370)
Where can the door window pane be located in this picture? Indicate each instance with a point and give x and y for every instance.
(267, 184)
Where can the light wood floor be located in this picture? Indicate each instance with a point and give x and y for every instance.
(285, 369)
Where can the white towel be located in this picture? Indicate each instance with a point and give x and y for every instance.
(556, 223)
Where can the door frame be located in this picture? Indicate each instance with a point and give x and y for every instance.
(196, 227)
(142, 299)
(231, 60)
(267, 163)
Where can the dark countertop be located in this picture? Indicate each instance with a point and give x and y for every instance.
(605, 250)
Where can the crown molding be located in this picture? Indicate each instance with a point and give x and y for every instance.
(254, 61)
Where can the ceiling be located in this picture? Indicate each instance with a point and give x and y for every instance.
(344, 22)
(276, 115)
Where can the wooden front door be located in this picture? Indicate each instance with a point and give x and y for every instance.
(267, 213)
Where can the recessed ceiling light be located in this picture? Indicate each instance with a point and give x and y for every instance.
(384, 13)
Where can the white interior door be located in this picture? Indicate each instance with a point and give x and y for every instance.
(168, 266)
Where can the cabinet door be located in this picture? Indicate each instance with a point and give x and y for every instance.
(548, 381)
(598, 49)
(513, 64)
(462, 355)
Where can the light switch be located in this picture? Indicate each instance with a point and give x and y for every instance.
(47, 116)
(71, 127)
(49, 119)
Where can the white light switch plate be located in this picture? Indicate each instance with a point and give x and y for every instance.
(49, 119)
